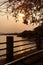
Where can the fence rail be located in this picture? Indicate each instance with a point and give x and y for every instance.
(36, 55)
(24, 49)
(17, 46)
(9, 47)
(3, 43)
(3, 49)
(23, 45)
(2, 55)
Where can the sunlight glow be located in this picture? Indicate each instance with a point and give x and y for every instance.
(21, 15)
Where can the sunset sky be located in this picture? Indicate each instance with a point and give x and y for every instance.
(9, 25)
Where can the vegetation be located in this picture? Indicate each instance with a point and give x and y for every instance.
(37, 32)
(26, 34)
(30, 10)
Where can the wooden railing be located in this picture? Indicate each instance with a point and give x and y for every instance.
(31, 59)
(9, 47)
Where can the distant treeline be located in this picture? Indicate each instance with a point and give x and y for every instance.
(8, 33)
(37, 32)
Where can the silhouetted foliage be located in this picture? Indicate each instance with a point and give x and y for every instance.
(34, 35)
(33, 9)
(25, 22)
(26, 34)
(39, 31)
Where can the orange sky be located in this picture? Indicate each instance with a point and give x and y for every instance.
(11, 26)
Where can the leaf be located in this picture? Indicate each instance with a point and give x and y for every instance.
(10, 0)
(25, 22)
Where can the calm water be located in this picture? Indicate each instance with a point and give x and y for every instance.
(3, 39)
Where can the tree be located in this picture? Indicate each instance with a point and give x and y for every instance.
(30, 10)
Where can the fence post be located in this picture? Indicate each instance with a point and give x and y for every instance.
(9, 50)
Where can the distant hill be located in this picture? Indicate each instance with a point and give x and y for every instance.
(38, 31)
(26, 34)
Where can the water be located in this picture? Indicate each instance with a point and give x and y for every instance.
(3, 39)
